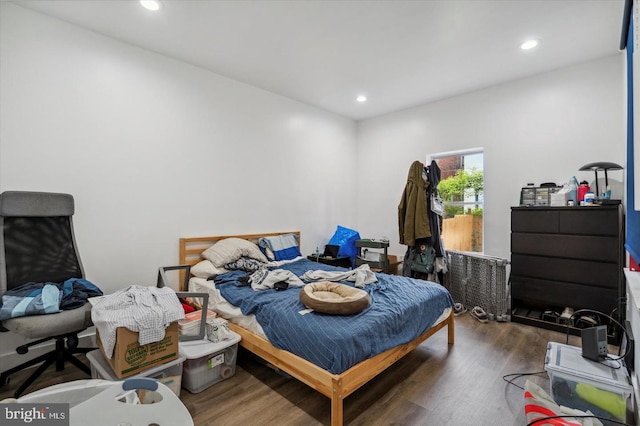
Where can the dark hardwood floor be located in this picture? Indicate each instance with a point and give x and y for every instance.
(436, 384)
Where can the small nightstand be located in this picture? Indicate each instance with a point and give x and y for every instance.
(382, 264)
(343, 261)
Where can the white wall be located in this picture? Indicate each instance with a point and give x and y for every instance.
(537, 129)
(154, 149)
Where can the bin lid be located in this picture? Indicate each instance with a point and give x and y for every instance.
(198, 348)
(568, 360)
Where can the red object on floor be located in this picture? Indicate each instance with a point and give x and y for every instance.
(633, 265)
(186, 307)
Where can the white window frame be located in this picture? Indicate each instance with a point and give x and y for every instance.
(462, 152)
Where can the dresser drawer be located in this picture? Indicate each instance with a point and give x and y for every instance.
(585, 247)
(558, 294)
(535, 221)
(593, 220)
(589, 221)
(592, 273)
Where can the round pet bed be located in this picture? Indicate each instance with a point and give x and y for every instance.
(334, 298)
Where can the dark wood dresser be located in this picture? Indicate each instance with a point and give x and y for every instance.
(566, 257)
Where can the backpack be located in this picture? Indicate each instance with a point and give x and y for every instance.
(423, 259)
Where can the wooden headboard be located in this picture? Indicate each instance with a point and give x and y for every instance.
(191, 248)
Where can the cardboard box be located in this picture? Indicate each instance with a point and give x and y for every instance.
(394, 263)
(129, 357)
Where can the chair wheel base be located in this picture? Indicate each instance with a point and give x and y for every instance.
(72, 342)
(57, 357)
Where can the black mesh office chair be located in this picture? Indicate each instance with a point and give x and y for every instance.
(37, 244)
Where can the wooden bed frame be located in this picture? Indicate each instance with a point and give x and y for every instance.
(334, 386)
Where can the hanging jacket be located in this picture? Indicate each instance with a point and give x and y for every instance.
(434, 220)
(413, 216)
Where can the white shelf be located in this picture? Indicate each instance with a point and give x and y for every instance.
(633, 284)
(633, 316)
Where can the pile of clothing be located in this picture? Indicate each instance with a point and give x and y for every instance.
(46, 298)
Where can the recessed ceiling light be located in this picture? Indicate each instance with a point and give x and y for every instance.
(529, 44)
(150, 4)
(361, 98)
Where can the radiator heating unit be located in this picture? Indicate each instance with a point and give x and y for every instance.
(475, 279)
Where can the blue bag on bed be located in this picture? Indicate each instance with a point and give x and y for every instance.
(346, 239)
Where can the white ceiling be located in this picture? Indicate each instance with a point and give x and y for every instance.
(324, 53)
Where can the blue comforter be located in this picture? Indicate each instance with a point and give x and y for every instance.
(401, 310)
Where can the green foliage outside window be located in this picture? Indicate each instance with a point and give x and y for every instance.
(455, 188)
(452, 210)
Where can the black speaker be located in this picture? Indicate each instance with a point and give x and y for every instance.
(594, 343)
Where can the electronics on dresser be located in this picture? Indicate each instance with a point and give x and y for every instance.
(594, 343)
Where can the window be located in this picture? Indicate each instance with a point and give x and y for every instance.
(462, 190)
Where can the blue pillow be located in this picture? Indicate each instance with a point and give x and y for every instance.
(283, 247)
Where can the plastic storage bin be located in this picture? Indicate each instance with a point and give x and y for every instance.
(208, 363)
(190, 325)
(579, 383)
(169, 374)
(538, 195)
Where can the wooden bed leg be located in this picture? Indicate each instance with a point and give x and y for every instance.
(451, 328)
(337, 411)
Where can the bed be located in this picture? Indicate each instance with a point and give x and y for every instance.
(336, 379)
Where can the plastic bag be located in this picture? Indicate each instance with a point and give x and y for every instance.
(437, 205)
(538, 405)
(217, 329)
(346, 239)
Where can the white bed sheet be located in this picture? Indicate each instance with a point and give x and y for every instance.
(220, 306)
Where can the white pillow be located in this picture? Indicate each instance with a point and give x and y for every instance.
(205, 269)
(231, 249)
